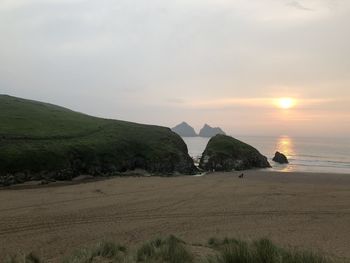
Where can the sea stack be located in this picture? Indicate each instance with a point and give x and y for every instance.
(184, 130)
(280, 158)
(225, 153)
(208, 131)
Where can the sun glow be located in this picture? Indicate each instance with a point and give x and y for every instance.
(285, 103)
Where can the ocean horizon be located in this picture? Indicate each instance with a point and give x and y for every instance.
(318, 155)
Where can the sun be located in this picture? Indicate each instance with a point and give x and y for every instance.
(286, 103)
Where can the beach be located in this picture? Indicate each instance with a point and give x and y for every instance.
(301, 210)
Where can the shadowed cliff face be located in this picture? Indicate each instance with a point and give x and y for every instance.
(41, 140)
(224, 153)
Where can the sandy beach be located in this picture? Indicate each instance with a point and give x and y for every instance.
(310, 211)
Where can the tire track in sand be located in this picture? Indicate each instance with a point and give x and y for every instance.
(71, 221)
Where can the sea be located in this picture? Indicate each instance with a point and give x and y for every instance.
(318, 155)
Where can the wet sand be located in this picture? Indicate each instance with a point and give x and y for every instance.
(310, 211)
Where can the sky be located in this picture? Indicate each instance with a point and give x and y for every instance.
(221, 62)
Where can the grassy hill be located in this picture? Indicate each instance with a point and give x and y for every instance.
(40, 140)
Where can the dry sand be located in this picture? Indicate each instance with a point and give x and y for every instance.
(293, 209)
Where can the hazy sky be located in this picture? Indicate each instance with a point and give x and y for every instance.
(220, 62)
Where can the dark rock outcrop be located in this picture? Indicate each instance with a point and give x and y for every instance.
(225, 153)
(208, 131)
(184, 130)
(280, 158)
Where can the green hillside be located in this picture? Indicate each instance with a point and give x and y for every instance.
(25, 118)
(40, 140)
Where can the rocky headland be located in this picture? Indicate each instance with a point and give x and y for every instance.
(41, 141)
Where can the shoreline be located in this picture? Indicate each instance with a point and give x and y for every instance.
(89, 179)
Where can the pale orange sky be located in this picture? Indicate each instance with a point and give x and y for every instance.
(219, 62)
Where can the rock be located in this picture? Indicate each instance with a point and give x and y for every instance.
(136, 172)
(83, 177)
(280, 158)
(225, 153)
(43, 182)
(208, 131)
(184, 130)
(7, 180)
(20, 177)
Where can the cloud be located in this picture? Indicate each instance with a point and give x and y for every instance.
(16, 4)
(147, 60)
(298, 5)
(175, 100)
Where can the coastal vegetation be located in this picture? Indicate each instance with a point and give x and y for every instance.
(44, 141)
(174, 250)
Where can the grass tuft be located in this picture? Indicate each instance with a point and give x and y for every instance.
(304, 256)
(266, 251)
(260, 251)
(30, 258)
(103, 250)
(109, 249)
(171, 250)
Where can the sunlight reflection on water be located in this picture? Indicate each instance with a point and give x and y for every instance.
(284, 145)
(304, 154)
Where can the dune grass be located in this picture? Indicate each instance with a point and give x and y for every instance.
(102, 251)
(259, 251)
(170, 250)
(29, 258)
(173, 250)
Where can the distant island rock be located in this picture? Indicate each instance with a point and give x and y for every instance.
(41, 141)
(184, 130)
(280, 158)
(208, 131)
(225, 153)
